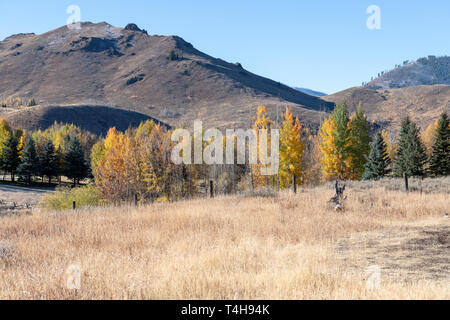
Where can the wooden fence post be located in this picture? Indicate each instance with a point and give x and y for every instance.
(420, 185)
(294, 183)
(251, 177)
(211, 188)
(405, 175)
(74, 205)
(135, 200)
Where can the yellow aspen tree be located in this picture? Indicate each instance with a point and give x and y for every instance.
(428, 137)
(145, 128)
(291, 149)
(97, 153)
(261, 122)
(330, 158)
(111, 170)
(312, 172)
(5, 132)
(391, 144)
(21, 145)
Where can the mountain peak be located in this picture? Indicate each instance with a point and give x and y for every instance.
(163, 77)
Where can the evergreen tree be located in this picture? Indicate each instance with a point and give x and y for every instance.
(29, 165)
(10, 155)
(411, 153)
(378, 160)
(440, 158)
(76, 165)
(48, 161)
(60, 163)
(342, 139)
(360, 142)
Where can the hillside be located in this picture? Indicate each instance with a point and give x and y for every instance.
(163, 77)
(423, 104)
(95, 119)
(311, 92)
(425, 71)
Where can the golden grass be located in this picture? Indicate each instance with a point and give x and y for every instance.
(228, 248)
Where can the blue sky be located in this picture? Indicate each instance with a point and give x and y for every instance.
(324, 45)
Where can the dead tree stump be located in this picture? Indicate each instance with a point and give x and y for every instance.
(337, 202)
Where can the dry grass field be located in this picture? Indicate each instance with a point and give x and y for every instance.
(285, 247)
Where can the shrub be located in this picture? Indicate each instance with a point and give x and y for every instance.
(173, 56)
(32, 103)
(63, 198)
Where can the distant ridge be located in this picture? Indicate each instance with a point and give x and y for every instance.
(425, 71)
(387, 107)
(311, 92)
(95, 119)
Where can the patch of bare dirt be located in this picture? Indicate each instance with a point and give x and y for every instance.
(407, 254)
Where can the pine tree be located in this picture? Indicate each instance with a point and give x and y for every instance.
(411, 153)
(440, 158)
(60, 163)
(291, 150)
(76, 165)
(29, 165)
(48, 161)
(378, 160)
(359, 142)
(10, 155)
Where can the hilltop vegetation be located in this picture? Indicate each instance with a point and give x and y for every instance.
(386, 108)
(431, 70)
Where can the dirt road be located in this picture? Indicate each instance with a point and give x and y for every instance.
(22, 195)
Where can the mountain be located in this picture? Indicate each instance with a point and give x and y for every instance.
(387, 107)
(425, 71)
(311, 92)
(163, 77)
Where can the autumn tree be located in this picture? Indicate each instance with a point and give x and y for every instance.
(331, 168)
(110, 168)
(5, 132)
(291, 149)
(336, 145)
(390, 143)
(428, 137)
(261, 122)
(312, 172)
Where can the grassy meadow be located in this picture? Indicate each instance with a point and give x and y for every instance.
(234, 247)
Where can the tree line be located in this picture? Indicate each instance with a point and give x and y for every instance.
(137, 162)
(53, 153)
(348, 152)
